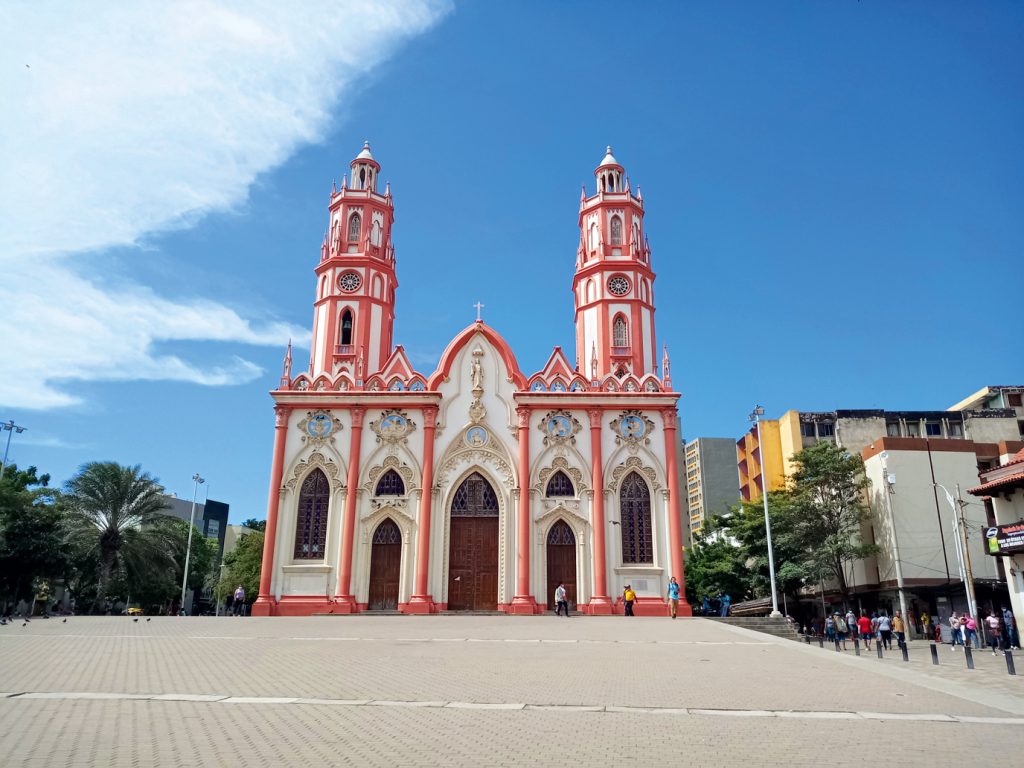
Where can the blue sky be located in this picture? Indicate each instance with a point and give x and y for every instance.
(834, 197)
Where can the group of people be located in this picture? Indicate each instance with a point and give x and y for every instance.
(1001, 626)
(716, 606)
(628, 599)
(880, 627)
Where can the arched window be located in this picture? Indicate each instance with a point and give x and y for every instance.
(560, 485)
(355, 224)
(375, 233)
(346, 327)
(475, 498)
(620, 332)
(590, 291)
(311, 520)
(594, 237)
(561, 534)
(635, 519)
(390, 484)
(387, 533)
(616, 230)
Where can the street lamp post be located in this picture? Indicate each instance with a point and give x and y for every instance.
(755, 417)
(10, 427)
(963, 555)
(191, 525)
(890, 488)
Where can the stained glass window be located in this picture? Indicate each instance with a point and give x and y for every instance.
(475, 498)
(355, 223)
(560, 485)
(620, 333)
(635, 519)
(311, 521)
(616, 230)
(390, 484)
(561, 533)
(387, 533)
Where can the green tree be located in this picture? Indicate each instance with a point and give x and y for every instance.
(243, 566)
(828, 507)
(32, 547)
(746, 525)
(256, 525)
(716, 564)
(114, 521)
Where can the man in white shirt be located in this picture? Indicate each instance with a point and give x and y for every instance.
(560, 600)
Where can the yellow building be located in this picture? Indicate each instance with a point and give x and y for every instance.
(749, 459)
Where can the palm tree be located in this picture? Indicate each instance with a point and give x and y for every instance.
(114, 517)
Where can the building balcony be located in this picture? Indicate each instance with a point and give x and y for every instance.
(621, 351)
(345, 350)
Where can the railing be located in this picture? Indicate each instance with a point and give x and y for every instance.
(345, 349)
(620, 351)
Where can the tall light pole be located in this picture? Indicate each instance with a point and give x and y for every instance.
(889, 491)
(961, 549)
(191, 525)
(10, 427)
(756, 418)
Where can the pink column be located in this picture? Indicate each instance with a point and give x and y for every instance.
(344, 602)
(421, 600)
(523, 602)
(600, 603)
(264, 605)
(675, 530)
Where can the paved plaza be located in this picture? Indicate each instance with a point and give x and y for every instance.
(481, 690)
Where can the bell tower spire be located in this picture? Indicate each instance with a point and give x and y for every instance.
(355, 299)
(614, 284)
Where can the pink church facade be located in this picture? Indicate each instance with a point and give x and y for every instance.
(476, 486)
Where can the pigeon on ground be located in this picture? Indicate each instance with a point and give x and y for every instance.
(24, 625)
(149, 618)
(65, 621)
(136, 620)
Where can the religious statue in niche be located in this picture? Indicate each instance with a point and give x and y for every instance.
(477, 412)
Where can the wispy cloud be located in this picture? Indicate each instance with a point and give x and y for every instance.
(128, 119)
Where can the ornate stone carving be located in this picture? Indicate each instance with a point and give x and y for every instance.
(280, 416)
(316, 460)
(477, 412)
(394, 426)
(357, 417)
(559, 464)
(391, 462)
(559, 427)
(478, 456)
(319, 427)
(669, 418)
(429, 416)
(632, 429)
(632, 464)
(594, 414)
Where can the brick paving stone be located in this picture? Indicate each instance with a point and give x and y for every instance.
(468, 690)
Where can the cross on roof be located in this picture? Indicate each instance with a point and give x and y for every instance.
(478, 306)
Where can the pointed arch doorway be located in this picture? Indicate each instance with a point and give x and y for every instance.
(385, 566)
(473, 548)
(561, 554)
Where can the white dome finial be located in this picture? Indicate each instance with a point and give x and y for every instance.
(609, 158)
(365, 153)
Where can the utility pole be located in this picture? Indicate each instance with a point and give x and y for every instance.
(197, 480)
(972, 598)
(889, 491)
(10, 428)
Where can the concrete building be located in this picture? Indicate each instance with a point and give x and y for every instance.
(711, 487)
(1002, 491)
(211, 517)
(996, 397)
(855, 429)
(935, 537)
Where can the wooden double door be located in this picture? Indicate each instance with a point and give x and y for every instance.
(561, 552)
(473, 548)
(385, 567)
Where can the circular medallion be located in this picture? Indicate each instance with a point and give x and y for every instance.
(559, 426)
(476, 437)
(618, 286)
(393, 424)
(350, 281)
(319, 425)
(632, 426)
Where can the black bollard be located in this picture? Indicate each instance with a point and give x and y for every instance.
(969, 656)
(935, 654)
(1010, 669)
(906, 655)
(821, 641)
(878, 647)
(807, 639)
(856, 646)
(837, 644)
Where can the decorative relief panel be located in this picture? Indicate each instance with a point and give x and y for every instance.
(391, 462)
(319, 427)
(559, 428)
(632, 429)
(394, 426)
(480, 457)
(559, 464)
(316, 460)
(629, 465)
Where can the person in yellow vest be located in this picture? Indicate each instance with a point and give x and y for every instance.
(628, 596)
(899, 628)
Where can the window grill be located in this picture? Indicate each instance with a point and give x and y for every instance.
(387, 533)
(390, 484)
(311, 522)
(560, 485)
(635, 519)
(475, 498)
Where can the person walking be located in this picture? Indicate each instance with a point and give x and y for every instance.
(954, 631)
(561, 603)
(851, 623)
(628, 597)
(899, 628)
(830, 629)
(238, 607)
(885, 631)
(673, 596)
(726, 602)
(993, 622)
(706, 605)
(841, 629)
(864, 625)
(1012, 639)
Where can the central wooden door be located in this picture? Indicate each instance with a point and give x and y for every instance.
(561, 562)
(473, 551)
(385, 566)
